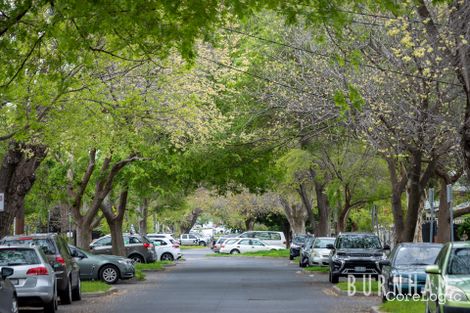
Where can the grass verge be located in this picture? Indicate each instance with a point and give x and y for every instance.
(317, 269)
(403, 307)
(94, 286)
(361, 285)
(192, 247)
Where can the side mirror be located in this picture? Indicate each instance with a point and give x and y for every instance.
(385, 263)
(433, 269)
(6, 272)
(386, 247)
(330, 246)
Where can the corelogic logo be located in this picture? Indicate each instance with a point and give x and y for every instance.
(404, 288)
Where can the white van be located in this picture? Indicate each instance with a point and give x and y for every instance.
(272, 238)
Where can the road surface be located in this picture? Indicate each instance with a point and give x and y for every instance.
(202, 284)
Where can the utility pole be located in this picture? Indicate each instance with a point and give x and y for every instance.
(431, 204)
(451, 212)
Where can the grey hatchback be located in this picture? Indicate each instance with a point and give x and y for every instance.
(8, 297)
(138, 248)
(108, 268)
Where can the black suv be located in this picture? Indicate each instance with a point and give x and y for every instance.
(356, 254)
(56, 248)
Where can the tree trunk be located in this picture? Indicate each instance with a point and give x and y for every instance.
(307, 202)
(250, 223)
(443, 217)
(83, 235)
(323, 210)
(296, 215)
(117, 240)
(343, 216)
(191, 219)
(17, 176)
(398, 185)
(414, 198)
(115, 221)
(143, 217)
(19, 221)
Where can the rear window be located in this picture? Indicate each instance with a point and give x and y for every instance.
(46, 245)
(231, 241)
(18, 256)
(322, 243)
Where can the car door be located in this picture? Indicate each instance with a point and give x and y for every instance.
(244, 245)
(87, 266)
(257, 245)
(185, 240)
(192, 240)
(102, 246)
(435, 281)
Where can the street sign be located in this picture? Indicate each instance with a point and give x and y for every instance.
(2, 202)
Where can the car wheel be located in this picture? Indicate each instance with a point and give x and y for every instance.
(202, 243)
(76, 292)
(304, 262)
(234, 251)
(66, 295)
(136, 258)
(291, 257)
(109, 274)
(14, 305)
(167, 257)
(334, 279)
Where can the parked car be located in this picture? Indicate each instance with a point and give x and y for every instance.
(108, 268)
(306, 251)
(159, 236)
(220, 241)
(404, 270)
(295, 246)
(272, 238)
(320, 254)
(138, 248)
(448, 288)
(356, 254)
(166, 250)
(8, 297)
(242, 245)
(33, 277)
(191, 240)
(56, 249)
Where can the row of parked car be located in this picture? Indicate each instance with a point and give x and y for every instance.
(440, 273)
(43, 268)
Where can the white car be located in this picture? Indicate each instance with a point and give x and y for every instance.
(273, 238)
(155, 236)
(166, 249)
(242, 245)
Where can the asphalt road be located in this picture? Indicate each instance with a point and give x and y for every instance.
(204, 284)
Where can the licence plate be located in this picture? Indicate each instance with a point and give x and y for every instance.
(14, 281)
(360, 269)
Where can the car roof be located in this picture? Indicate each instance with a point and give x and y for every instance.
(421, 244)
(333, 238)
(356, 234)
(460, 244)
(41, 235)
(19, 247)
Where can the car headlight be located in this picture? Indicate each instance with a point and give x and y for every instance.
(455, 294)
(125, 261)
(399, 280)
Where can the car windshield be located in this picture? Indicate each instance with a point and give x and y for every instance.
(46, 245)
(416, 256)
(459, 262)
(359, 242)
(322, 243)
(18, 256)
(299, 240)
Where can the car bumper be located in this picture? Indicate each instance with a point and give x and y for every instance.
(35, 296)
(460, 307)
(320, 261)
(355, 267)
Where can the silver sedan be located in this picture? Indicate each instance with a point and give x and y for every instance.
(33, 277)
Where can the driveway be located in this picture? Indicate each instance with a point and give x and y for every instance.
(204, 284)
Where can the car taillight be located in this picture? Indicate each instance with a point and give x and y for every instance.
(222, 246)
(176, 246)
(37, 271)
(60, 260)
(147, 245)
